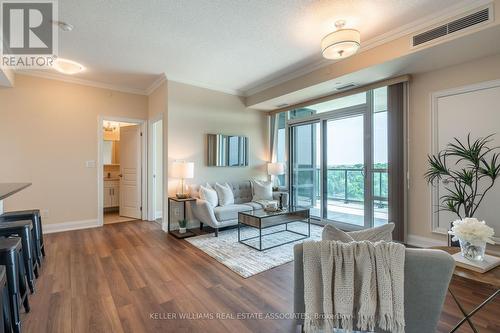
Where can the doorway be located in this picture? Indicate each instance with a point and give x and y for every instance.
(121, 170)
(156, 173)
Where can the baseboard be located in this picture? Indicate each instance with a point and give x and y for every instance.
(424, 242)
(67, 226)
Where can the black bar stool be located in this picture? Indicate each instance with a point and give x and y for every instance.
(5, 325)
(22, 229)
(11, 256)
(36, 218)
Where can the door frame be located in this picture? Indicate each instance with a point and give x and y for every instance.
(151, 163)
(100, 173)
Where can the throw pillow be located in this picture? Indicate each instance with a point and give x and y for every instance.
(209, 194)
(335, 234)
(225, 194)
(383, 232)
(262, 190)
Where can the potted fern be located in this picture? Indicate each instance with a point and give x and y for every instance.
(468, 171)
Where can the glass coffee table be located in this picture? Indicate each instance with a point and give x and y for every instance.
(262, 219)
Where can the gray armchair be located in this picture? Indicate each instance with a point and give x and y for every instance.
(427, 276)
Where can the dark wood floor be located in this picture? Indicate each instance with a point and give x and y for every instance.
(129, 277)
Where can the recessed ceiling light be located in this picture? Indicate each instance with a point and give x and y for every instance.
(66, 66)
(340, 44)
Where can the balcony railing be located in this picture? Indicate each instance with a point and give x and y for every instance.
(343, 184)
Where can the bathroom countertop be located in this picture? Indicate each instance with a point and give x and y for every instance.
(111, 179)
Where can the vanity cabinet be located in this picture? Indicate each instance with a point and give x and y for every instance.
(111, 193)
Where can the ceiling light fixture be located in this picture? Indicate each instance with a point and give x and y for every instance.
(66, 66)
(110, 126)
(341, 43)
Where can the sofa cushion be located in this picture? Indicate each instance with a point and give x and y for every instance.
(230, 212)
(383, 232)
(262, 190)
(255, 205)
(208, 194)
(225, 194)
(242, 191)
(332, 233)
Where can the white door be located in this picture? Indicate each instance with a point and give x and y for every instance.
(130, 171)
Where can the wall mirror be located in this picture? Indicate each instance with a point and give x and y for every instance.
(111, 152)
(227, 150)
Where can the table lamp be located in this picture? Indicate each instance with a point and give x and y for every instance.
(275, 169)
(182, 170)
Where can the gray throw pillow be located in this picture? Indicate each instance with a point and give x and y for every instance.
(335, 234)
(383, 232)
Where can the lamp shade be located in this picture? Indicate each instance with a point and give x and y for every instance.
(183, 170)
(340, 44)
(276, 169)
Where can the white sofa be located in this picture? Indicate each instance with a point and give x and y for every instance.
(223, 216)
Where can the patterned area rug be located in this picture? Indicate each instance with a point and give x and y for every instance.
(246, 261)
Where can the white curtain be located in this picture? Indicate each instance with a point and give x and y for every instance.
(274, 124)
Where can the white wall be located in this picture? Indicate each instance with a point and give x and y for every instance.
(158, 144)
(48, 129)
(421, 88)
(194, 112)
(157, 109)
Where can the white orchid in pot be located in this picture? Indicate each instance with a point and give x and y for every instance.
(475, 168)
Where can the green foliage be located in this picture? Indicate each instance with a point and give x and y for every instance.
(337, 185)
(475, 169)
(183, 223)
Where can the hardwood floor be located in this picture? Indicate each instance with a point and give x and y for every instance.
(130, 277)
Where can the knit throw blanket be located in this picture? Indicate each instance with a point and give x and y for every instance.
(354, 286)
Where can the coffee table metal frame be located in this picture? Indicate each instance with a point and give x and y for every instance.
(261, 220)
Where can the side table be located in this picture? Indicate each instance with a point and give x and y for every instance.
(491, 278)
(176, 233)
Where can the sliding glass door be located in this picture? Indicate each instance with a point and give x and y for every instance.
(338, 162)
(305, 157)
(345, 170)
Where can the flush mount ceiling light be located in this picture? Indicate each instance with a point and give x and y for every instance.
(66, 66)
(341, 43)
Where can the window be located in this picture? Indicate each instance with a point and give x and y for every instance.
(339, 158)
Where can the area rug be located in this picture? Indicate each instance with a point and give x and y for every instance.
(246, 261)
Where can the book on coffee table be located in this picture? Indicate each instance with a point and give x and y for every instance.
(487, 264)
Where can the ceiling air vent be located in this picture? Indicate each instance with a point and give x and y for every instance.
(345, 87)
(470, 20)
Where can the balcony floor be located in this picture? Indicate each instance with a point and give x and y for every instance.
(350, 213)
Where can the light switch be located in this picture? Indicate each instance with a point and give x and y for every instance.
(90, 164)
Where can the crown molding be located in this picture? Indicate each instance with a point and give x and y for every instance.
(83, 82)
(407, 29)
(235, 92)
(162, 78)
